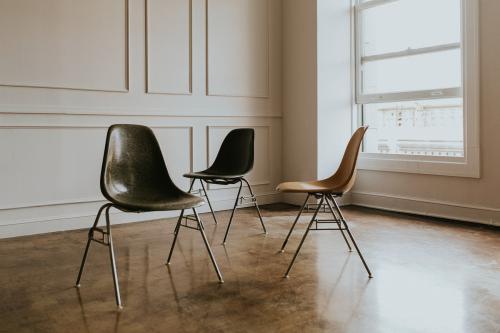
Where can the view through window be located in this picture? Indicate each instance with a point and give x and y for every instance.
(409, 76)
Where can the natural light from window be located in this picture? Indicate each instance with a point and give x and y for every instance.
(409, 76)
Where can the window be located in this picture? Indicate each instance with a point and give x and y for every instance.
(417, 85)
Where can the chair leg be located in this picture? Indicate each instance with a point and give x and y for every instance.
(208, 200)
(294, 223)
(182, 211)
(232, 213)
(337, 208)
(338, 223)
(112, 259)
(177, 227)
(254, 198)
(191, 185)
(89, 240)
(202, 231)
(304, 237)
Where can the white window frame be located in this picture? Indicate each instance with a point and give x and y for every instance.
(467, 166)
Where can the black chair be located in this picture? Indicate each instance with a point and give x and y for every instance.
(234, 160)
(134, 178)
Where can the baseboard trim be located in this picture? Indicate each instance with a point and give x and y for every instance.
(68, 222)
(440, 209)
(448, 210)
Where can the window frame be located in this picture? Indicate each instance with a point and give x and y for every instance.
(469, 164)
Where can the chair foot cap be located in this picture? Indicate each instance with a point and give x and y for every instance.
(282, 250)
(77, 285)
(286, 276)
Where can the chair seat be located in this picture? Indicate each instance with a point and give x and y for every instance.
(211, 175)
(315, 186)
(158, 201)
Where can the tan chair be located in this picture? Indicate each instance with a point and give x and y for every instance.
(326, 191)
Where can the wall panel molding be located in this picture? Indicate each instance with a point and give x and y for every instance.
(169, 56)
(99, 198)
(39, 66)
(237, 74)
(182, 111)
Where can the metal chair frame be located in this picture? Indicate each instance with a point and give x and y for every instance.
(201, 228)
(202, 192)
(338, 220)
(239, 202)
(106, 239)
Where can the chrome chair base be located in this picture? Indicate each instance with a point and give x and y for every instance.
(238, 202)
(103, 237)
(106, 239)
(201, 228)
(201, 193)
(239, 198)
(338, 220)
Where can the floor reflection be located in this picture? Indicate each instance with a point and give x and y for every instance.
(428, 277)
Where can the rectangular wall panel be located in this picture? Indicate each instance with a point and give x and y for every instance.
(64, 44)
(50, 165)
(46, 166)
(238, 48)
(169, 46)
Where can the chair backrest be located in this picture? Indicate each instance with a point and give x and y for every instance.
(345, 175)
(133, 165)
(236, 154)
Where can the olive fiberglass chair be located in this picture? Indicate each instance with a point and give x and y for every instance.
(326, 191)
(234, 160)
(134, 178)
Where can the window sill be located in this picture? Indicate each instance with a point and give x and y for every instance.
(467, 167)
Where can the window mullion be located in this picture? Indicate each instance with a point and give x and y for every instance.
(411, 52)
(454, 92)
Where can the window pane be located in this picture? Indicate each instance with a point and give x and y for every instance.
(420, 72)
(433, 128)
(404, 24)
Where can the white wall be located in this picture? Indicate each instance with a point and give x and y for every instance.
(192, 70)
(316, 89)
(334, 83)
(299, 93)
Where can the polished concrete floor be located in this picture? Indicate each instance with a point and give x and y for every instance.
(429, 276)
